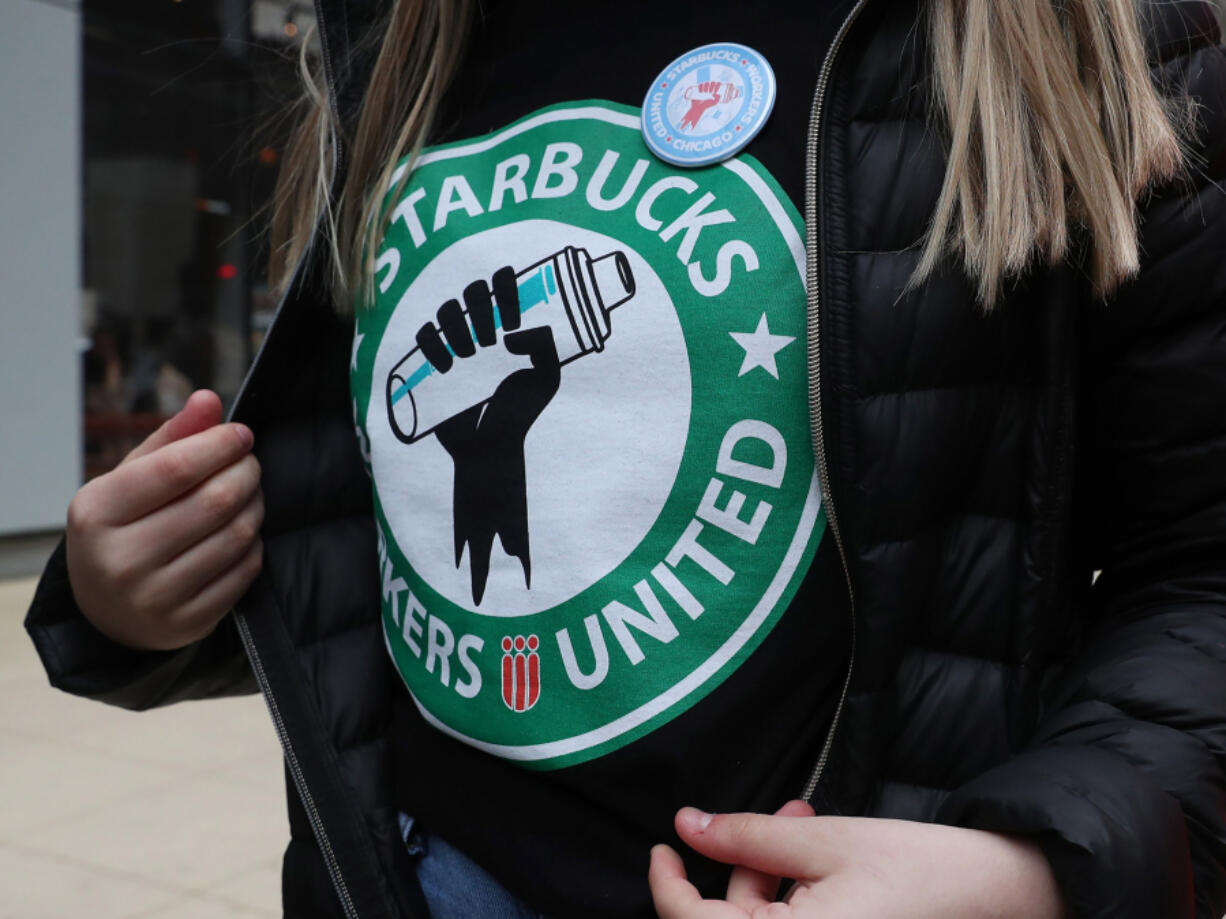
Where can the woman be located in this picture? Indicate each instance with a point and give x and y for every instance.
(665, 617)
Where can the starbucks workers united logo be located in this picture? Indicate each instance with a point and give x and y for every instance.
(582, 395)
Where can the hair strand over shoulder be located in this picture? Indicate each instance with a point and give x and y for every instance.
(1053, 121)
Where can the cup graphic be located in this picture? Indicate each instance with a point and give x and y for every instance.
(568, 291)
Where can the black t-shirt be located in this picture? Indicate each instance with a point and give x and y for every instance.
(523, 56)
(620, 536)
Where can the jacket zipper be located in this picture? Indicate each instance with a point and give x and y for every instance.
(291, 761)
(295, 769)
(249, 645)
(813, 278)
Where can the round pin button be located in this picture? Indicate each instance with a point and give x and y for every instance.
(706, 105)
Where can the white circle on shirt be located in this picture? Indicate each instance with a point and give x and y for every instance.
(600, 460)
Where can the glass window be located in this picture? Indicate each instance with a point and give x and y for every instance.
(181, 142)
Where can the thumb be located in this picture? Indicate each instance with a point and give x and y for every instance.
(202, 411)
(791, 844)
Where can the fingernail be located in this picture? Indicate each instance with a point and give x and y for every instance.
(245, 435)
(695, 819)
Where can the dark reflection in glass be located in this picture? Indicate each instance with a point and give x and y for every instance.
(181, 142)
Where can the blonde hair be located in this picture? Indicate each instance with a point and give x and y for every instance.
(421, 44)
(1053, 120)
(1053, 123)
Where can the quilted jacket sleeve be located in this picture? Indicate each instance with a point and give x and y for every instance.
(81, 660)
(1125, 783)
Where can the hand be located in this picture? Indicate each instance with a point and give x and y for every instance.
(160, 548)
(518, 400)
(701, 97)
(486, 441)
(853, 867)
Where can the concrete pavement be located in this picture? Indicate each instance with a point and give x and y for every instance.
(109, 814)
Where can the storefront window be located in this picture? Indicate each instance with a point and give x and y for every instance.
(184, 104)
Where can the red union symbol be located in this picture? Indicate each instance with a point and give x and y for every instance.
(521, 672)
(702, 96)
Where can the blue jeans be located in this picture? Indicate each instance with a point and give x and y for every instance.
(455, 886)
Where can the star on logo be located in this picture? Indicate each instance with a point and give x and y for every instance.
(761, 347)
(357, 343)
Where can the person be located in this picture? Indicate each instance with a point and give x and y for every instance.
(551, 580)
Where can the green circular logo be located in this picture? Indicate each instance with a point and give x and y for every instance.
(582, 396)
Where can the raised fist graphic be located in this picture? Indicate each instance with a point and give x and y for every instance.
(486, 441)
(702, 96)
(478, 381)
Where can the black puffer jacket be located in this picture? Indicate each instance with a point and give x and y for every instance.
(980, 468)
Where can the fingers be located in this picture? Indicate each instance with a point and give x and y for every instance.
(149, 482)
(478, 309)
(537, 344)
(675, 897)
(179, 580)
(202, 411)
(671, 891)
(796, 808)
(200, 615)
(754, 885)
(460, 330)
(750, 889)
(433, 349)
(782, 846)
(209, 507)
(481, 313)
(506, 293)
(160, 548)
(455, 329)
